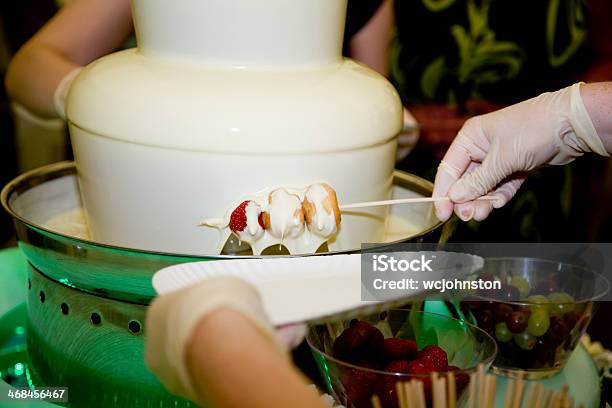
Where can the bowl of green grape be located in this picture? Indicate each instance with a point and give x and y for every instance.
(536, 312)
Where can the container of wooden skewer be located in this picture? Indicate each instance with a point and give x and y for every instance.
(481, 393)
(356, 380)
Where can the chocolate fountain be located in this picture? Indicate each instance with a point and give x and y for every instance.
(223, 99)
(220, 99)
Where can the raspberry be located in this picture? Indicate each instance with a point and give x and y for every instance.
(397, 349)
(418, 367)
(358, 384)
(349, 345)
(397, 366)
(238, 219)
(421, 369)
(434, 357)
(386, 391)
(453, 368)
(360, 342)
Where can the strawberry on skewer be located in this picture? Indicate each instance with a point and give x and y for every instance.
(246, 221)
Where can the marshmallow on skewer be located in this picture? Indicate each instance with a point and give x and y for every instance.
(285, 216)
(321, 210)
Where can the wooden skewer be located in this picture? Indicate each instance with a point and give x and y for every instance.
(416, 200)
(401, 398)
(491, 390)
(452, 391)
(548, 395)
(421, 394)
(413, 388)
(554, 400)
(486, 393)
(539, 395)
(416, 392)
(375, 401)
(408, 395)
(518, 394)
(481, 387)
(435, 391)
(509, 393)
(532, 395)
(401, 390)
(563, 398)
(472, 392)
(442, 388)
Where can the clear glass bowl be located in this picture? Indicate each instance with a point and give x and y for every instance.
(538, 316)
(352, 385)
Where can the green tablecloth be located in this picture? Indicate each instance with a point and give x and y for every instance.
(12, 262)
(13, 278)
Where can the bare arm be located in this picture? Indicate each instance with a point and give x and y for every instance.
(254, 374)
(80, 33)
(371, 44)
(597, 98)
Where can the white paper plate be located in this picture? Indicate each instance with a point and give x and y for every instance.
(301, 289)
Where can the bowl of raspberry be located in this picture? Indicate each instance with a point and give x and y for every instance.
(361, 358)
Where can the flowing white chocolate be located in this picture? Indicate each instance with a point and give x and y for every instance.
(285, 214)
(253, 230)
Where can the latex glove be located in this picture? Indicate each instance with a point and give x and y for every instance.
(61, 92)
(492, 153)
(408, 137)
(173, 318)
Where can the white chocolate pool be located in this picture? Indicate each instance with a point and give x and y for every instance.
(56, 206)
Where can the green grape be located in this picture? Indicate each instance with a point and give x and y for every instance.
(561, 297)
(521, 284)
(560, 303)
(525, 340)
(502, 333)
(538, 302)
(538, 323)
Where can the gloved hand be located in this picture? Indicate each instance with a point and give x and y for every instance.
(492, 153)
(173, 318)
(61, 92)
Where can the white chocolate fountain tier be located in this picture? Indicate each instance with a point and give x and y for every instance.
(223, 98)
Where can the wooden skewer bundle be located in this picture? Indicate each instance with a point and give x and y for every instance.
(481, 393)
